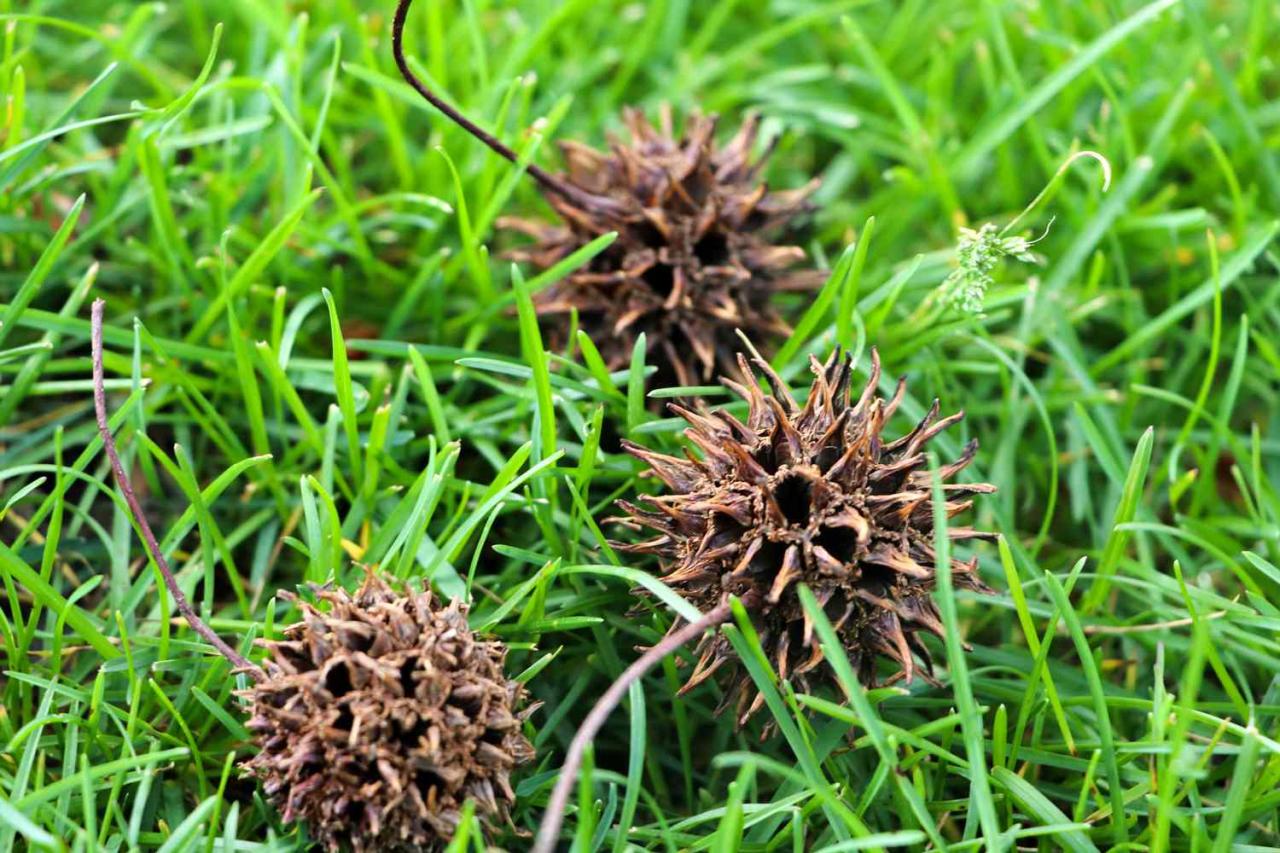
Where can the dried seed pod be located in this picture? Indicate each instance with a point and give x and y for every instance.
(379, 718)
(376, 720)
(811, 495)
(694, 258)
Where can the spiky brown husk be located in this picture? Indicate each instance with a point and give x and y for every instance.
(379, 718)
(809, 495)
(693, 259)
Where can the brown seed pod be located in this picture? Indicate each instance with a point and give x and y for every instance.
(379, 718)
(375, 720)
(694, 259)
(807, 494)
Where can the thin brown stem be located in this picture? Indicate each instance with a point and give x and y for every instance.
(544, 178)
(554, 815)
(130, 497)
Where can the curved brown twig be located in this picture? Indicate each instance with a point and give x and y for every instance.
(130, 497)
(545, 179)
(554, 815)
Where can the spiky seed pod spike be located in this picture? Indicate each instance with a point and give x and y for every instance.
(812, 495)
(379, 718)
(694, 258)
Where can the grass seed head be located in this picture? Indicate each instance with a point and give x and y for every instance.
(381, 716)
(811, 494)
(977, 254)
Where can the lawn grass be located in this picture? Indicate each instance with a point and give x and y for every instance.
(317, 357)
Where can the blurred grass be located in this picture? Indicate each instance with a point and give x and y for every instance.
(318, 357)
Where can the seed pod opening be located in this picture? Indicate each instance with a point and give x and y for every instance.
(381, 716)
(811, 494)
(694, 259)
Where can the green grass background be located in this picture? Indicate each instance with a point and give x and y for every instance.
(313, 359)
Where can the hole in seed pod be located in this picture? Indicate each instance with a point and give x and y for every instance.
(337, 679)
(835, 607)
(768, 560)
(425, 780)
(827, 456)
(647, 234)
(727, 529)
(792, 495)
(712, 250)
(877, 579)
(411, 736)
(408, 686)
(755, 221)
(839, 542)
(298, 657)
(660, 278)
(357, 641)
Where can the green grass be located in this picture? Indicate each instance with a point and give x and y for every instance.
(317, 355)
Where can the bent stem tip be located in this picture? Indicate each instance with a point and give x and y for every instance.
(545, 179)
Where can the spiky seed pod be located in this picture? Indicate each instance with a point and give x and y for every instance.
(807, 494)
(378, 718)
(693, 260)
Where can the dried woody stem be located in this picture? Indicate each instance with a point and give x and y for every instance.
(554, 815)
(148, 537)
(545, 179)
